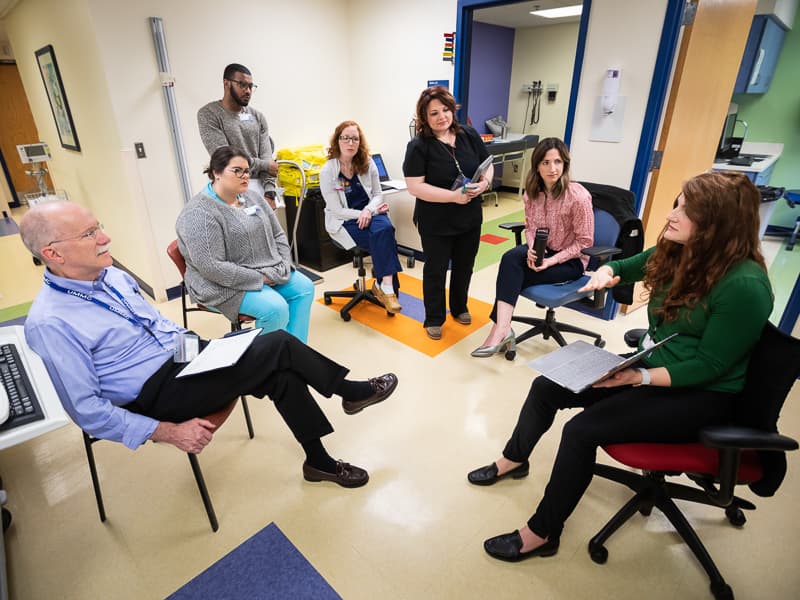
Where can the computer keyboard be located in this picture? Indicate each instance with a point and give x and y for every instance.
(23, 406)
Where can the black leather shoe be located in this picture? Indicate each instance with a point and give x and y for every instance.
(382, 387)
(507, 547)
(488, 475)
(347, 475)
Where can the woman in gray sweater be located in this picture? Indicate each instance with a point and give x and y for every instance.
(238, 259)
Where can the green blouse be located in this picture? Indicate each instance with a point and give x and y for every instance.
(715, 337)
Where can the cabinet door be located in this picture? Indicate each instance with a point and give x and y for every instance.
(766, 58)
(760, 56)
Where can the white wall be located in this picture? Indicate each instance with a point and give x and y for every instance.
(546, 54)
(615, 42)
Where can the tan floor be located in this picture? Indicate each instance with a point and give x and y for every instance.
(415, 531)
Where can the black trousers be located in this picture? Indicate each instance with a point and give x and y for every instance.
(610, 415)
(277, 365)
(514, 275)
(457, 251)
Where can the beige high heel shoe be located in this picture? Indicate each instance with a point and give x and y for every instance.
(507, 344)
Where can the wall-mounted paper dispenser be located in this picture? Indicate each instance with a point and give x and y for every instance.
(610, 90)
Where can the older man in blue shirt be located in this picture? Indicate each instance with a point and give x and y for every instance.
(110, 356)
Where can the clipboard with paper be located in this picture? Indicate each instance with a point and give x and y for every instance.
(220, 353)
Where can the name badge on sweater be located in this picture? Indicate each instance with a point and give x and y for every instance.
(245, 116)
(251, 210)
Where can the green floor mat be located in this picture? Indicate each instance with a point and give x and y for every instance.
(488, 253)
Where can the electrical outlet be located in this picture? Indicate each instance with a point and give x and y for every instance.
(527, 88)
(139, 150)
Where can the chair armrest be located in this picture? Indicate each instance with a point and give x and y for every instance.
(604, 253)
(632, 337)
(745, 438)
(517, 227)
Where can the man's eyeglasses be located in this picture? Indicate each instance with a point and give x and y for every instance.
(87, 235)
(239, 172)
(348, 139)
(243, 85)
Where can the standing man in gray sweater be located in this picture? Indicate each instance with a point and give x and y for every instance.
(231, 122)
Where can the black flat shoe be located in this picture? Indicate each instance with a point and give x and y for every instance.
(507, 547)
(488, 475)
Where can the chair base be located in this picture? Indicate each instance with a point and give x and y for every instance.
(549, 327)
(355, 296)
(653, 491)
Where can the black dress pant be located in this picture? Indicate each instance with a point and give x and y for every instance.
(514, 275)
(277, 365)
(610, 416)
(457, 251)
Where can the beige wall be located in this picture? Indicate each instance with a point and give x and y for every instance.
(546, 54)
(613, 41)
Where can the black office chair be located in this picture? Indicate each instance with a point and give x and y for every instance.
(749, 452)
(360, 290)
(217, 418)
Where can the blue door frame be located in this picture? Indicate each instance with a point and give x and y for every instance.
(667, 47)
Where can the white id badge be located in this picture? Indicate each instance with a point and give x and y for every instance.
(187, 347)
(245, 116)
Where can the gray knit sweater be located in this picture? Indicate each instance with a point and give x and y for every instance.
(246, 131)
(228, 250)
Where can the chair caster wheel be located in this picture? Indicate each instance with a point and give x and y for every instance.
(645, 511)
(388, 314)
(327, 300)
(346, 317)
(735, 516)
(410, 262)
(511, 354)
(600, 343)
(357, 285)
(598, 553)
(38, 263)
(721, 591)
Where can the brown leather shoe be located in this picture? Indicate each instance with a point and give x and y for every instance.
(389, 301)
(347, 475)
(382, 387)
(464, 318)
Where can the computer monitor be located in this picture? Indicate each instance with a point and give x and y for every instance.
(727, 141)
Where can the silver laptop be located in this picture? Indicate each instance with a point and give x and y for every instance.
(578, 365)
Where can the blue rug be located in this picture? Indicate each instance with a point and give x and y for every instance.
(265, 566)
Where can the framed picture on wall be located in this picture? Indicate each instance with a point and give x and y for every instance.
(51, 77)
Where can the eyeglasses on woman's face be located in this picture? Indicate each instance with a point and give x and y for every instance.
(349, 139)
(240, 172)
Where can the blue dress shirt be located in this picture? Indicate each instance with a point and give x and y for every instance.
(97, 359)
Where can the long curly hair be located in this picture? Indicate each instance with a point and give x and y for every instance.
(724, 210)
(428, 95)
(361, 158)
(533, 182)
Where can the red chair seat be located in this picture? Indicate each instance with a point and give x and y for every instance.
(686, 458)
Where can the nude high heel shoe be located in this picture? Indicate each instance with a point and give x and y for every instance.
(508, 343)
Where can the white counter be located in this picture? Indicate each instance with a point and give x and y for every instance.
(772, 150)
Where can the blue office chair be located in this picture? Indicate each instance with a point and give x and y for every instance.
(550, 296)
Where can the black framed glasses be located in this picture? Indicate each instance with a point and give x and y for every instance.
(348, 139)
(240, 172)
(243, 85)
(89, 234)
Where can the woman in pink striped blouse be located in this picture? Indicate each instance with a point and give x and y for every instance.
(563, 207)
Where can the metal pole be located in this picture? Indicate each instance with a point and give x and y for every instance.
(168, 85)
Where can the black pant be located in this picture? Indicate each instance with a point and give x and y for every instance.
(514, 275)
(458, 251)
(277, 365)
(610, 416)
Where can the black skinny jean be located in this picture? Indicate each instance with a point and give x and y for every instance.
(610, 416)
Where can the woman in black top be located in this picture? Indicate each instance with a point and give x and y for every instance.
(448, 215)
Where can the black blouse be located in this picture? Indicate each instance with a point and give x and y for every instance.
(430, 158)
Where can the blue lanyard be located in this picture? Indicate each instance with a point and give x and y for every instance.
(134, 319)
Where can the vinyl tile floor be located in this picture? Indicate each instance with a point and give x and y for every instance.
(415, 531)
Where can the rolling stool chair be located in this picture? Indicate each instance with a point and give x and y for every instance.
(360, 290)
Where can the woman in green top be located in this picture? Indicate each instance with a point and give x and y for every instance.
(708, 283)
